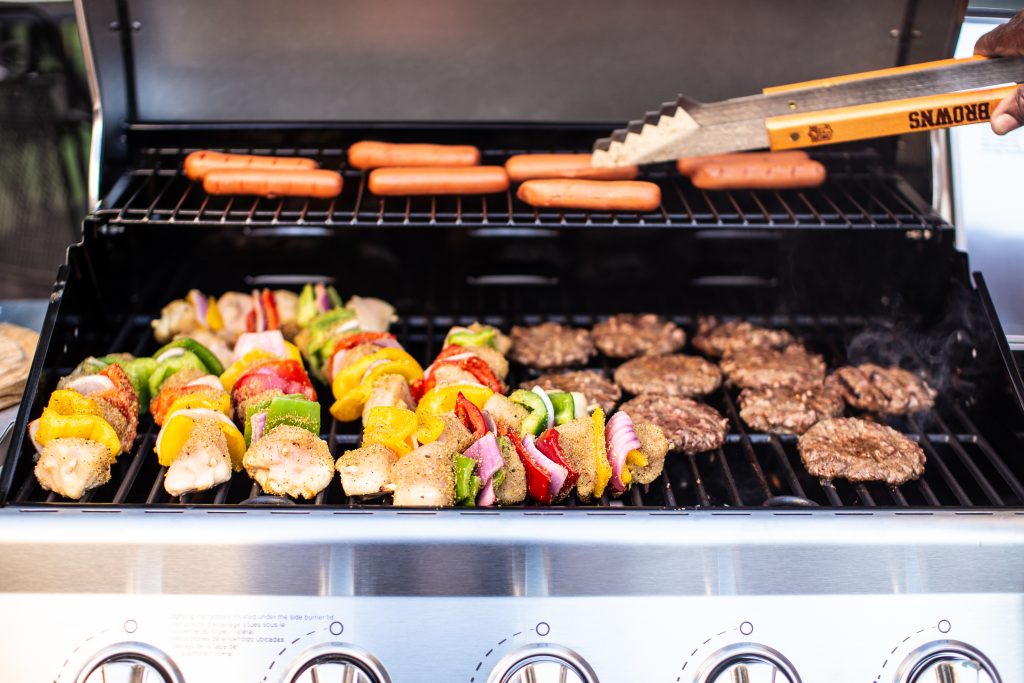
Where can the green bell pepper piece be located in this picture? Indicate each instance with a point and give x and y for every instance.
(322, 332)
(484, 337)
(307, 305)
(209, 360)
(296, 411)
(565, 408)
(165, 369)
(139, 370)
(537, 420)
(467, 484)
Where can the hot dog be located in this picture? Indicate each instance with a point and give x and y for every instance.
(762, 176)
(600, 195)
(273, 183)
(690, 165)
(535, 166)
(430, 180)
(366, 155)
(198, 164)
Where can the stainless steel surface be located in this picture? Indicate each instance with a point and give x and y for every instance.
(129, 662)
(336, 663)
(96, 95)
(747, 663)
(987, 203)
(693, 128)
(947, 661)
(542, 664)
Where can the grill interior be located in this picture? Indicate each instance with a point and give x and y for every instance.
(858, 194)
(964, 468)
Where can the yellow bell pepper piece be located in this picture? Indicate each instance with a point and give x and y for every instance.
(214, 320)
(53, 425)
(442, 399)
(70, 402)
(221, 403)
(603, 472)
(429, 429)
(349, 406)
(178, 428)
(636, 458)
(356, 374)
(292, 352)
(238, 368)
(390, 426)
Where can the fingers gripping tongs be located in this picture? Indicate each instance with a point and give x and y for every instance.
(905, 99)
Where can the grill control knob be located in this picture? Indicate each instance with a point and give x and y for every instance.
(336, 662)
(542, 663)
(747, 663)
(946, 661)
(130, 663)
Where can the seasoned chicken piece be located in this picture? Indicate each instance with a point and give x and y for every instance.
(513, 489)
(215, 343)
(654, 446)
(425, 476)
(115, 418)
(454, 435)
(290, 461)
(175, 318)
(505, 411)
(389, 391)
(71, 466)
(374, 315)
(233, 307)
(287, 304)
(202, 463)
(447, 374)
(577, 441)
(366, 470)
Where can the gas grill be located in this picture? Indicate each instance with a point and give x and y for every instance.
(734, 565)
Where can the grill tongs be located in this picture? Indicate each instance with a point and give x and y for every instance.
(904, 99)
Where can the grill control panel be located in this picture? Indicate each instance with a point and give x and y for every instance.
(154, 638)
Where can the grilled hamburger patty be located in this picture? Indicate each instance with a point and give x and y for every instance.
(689, 426)
(718, 339)
(628, 334)
(858, 450)
(591, 383)
(877, 389)
(788, 410)
(669, 375)
(765, 367)
(550, 345)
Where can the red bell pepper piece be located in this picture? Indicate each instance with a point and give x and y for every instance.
(287, 375)
(471, 416)
(549, 446)
(474, 365)
(538, 481)
(270, 309)
(159, 406)
(263, 315)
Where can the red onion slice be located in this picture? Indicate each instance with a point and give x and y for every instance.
(557, 472)
(259, 423)
(200, 306)
(488, 456)
(91, 384)
(271, 341)
(487, 498)
(621, 439)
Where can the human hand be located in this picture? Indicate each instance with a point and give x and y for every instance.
(1006, 40)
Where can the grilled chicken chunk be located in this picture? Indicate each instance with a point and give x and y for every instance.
(290, 461)
(513, 489)
(175, 318)
(287, 304)
(374, 315)
(71, 466)
(505, 411)
(495, 361)
(389, 391)
(202, 463)
(425, 476)
(234, 307)
(366, 470)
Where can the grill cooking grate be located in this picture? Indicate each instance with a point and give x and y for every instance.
(857, 195)
(752, 469)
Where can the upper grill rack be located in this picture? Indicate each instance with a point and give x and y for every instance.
(964, 469)
(857, 195)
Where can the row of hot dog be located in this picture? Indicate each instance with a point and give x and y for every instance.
(445, 435)
(566, 181)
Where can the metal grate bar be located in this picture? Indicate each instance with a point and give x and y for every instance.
(702, 494)
(936, 461)
(990, 453)
(158, 192)
(748, 448)
(730, 480)
(969, 463)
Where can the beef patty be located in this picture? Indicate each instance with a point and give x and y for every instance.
(765, 367)
(628, 334)
(550, 345)
(877, 389)
(858, 450)
(689, 426)
(718, 339)
(788, 410)
(591, 383)
(670, 375)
